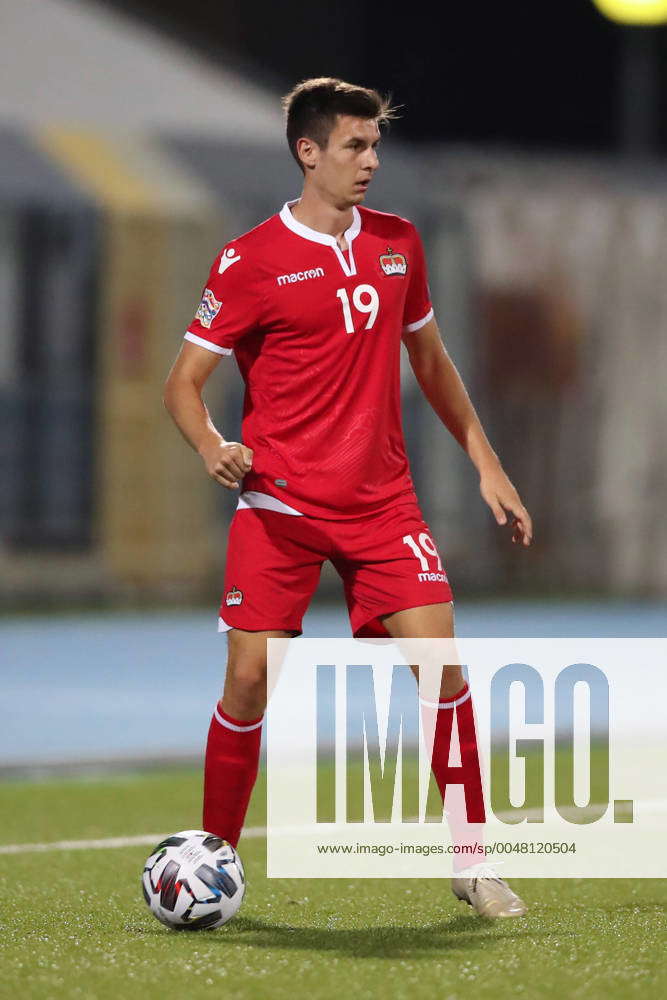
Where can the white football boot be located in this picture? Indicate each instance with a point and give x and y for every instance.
(488, 894)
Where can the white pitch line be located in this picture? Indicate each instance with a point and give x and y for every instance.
(150, 839)
(143, 840)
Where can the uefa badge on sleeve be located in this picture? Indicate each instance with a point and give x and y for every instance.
(209, 307)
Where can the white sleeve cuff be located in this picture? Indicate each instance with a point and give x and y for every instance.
(411, 327)
(194, 339)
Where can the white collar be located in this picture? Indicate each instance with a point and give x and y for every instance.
(312, 234)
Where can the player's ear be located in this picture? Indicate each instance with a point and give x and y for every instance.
(307, 151)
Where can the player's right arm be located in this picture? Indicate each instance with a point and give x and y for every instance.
(226, 461)
(229, 309)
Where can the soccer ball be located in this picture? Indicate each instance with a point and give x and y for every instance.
(193, 880)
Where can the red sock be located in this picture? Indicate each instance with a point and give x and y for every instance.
(230, 771)
(467, 837)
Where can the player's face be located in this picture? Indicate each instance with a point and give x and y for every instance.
(345, 168)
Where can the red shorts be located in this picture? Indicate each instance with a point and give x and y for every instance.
(387, 561)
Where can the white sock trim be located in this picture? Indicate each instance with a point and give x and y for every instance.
(232, 725)
(446, 704)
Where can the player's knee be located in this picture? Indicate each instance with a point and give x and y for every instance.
(246, 682)
(452, 682)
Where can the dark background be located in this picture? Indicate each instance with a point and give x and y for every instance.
(539, 75)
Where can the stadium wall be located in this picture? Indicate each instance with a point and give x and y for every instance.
(570, 334)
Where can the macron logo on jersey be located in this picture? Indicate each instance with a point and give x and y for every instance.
(227, 259)
(288, 279)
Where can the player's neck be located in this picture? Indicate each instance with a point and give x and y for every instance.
(317, 214)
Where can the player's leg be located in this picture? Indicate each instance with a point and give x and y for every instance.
(235, 734)
(272, 570)
(486, 893)
(430, 621)
(395, 584)
(244, 695)
(436, 621)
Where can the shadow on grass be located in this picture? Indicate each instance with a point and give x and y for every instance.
(467, 932)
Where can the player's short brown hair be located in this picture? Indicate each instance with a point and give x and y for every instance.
(312, 106)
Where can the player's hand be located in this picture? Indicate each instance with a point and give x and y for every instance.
(503, 499)
(227, 462)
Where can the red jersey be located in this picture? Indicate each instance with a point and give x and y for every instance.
(317, 336)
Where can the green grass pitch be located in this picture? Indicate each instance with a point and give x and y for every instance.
(74, 923)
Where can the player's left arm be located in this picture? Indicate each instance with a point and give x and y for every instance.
(443, 387)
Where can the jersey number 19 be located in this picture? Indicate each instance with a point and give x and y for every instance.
(365, 299)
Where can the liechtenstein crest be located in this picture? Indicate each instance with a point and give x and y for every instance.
(234, 597)
(393, 263)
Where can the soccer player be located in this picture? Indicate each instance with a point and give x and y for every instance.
(314, 303)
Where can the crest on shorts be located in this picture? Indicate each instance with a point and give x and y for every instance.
(209, 307)
(234, 597)
(393, 263)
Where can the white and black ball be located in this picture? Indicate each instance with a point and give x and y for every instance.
(193, 880)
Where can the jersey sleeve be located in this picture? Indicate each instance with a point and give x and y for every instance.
(229, 306)
(418, 307)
